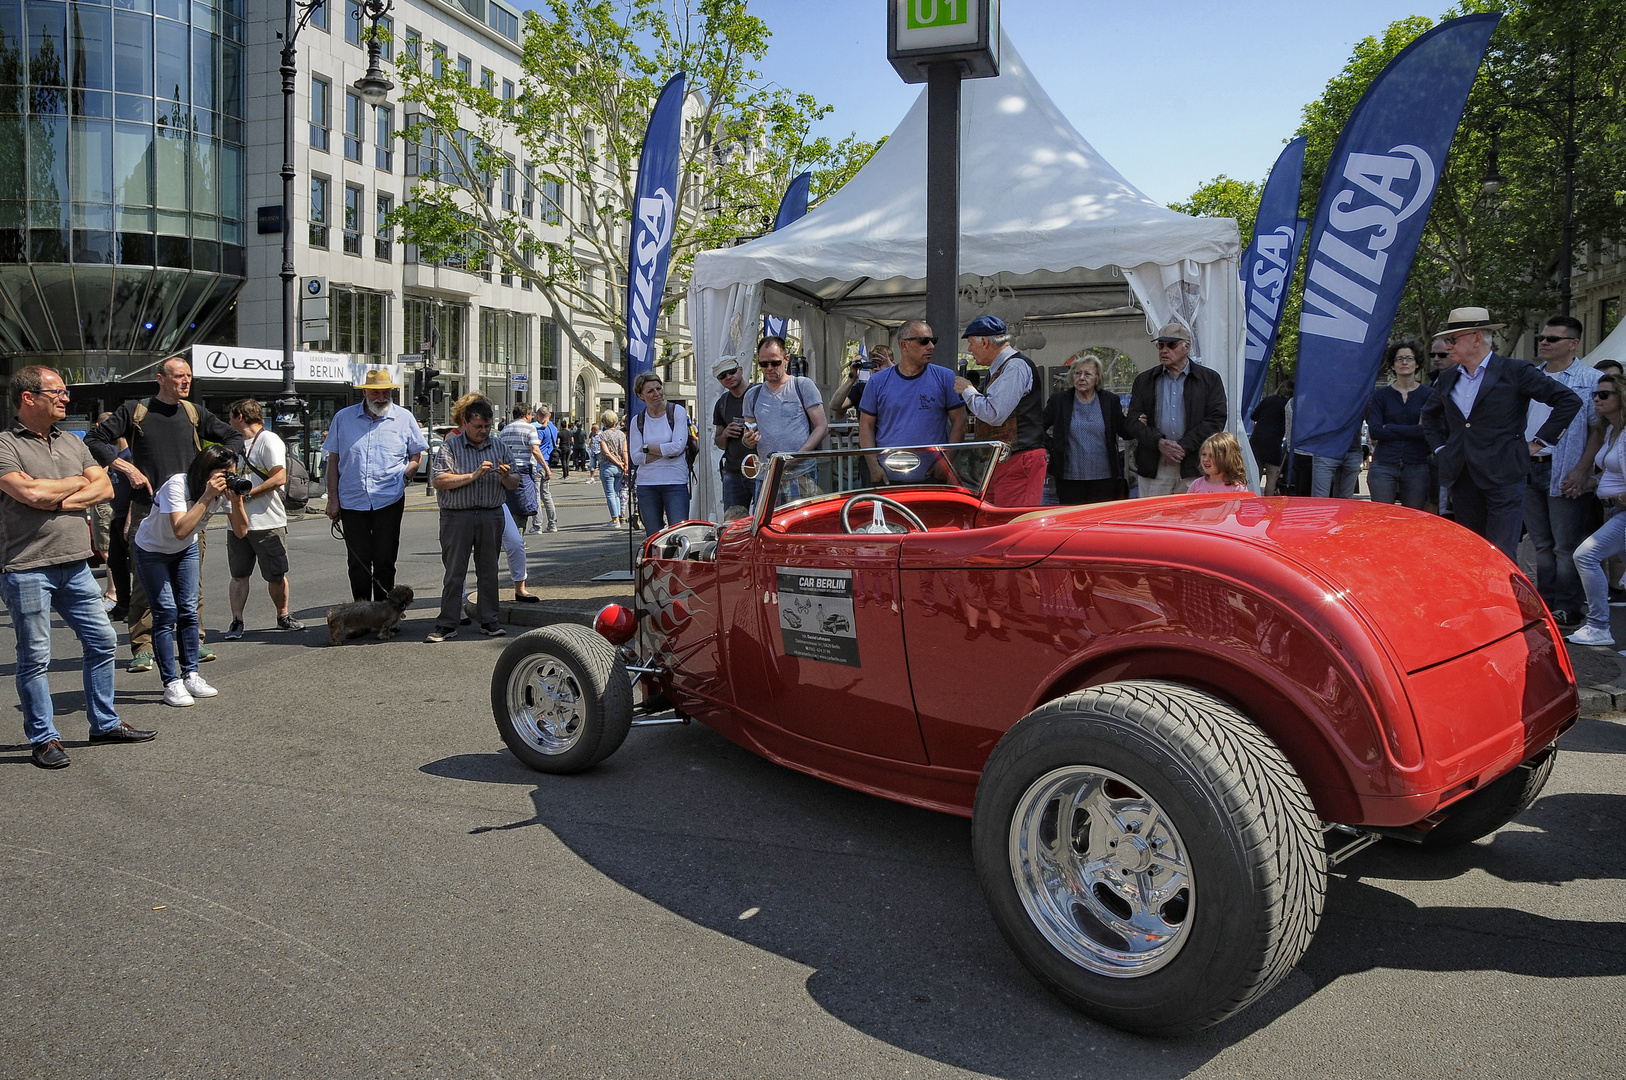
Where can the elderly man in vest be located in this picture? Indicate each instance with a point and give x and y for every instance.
(1012, 410)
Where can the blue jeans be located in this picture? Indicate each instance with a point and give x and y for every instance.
(1609, 540)
(1556, 524)
(661, 505)
(737, 490)
(1392, 482)
(171, 581)
(71, 591)
(615, 487)
(1335, 477)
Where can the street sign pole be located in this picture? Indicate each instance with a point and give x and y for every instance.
(941, 43)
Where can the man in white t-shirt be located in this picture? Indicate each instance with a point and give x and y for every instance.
(266, 543)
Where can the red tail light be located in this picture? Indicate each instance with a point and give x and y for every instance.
(616, 624)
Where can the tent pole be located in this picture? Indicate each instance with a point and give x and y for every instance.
(943, 208)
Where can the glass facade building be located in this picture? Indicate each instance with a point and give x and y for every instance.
(121, 179)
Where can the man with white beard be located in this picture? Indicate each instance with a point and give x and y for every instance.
(373, 451)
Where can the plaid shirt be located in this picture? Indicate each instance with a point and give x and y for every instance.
(457, 456)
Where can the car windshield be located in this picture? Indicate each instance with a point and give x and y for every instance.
(801, 478)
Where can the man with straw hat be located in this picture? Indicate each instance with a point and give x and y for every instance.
(1475, 423)
(373, 451)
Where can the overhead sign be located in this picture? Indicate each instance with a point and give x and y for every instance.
(265, 365)
(924, 32)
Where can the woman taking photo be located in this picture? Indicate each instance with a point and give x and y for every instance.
(1603, 462)
(659, 438)
(612, 466)
(164, 555)
(1399, 469)
(1084, 428)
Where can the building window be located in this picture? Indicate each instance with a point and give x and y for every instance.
(435, 330)
(319, 212)
(414, 46)
(352, 221)
(352, 21)
(353, 126)
(465, 68)
(508, 186)
(503, 21)
(508, 98)
(386, 37)
(438, 61)
(413, 149)
(358, 323)
(384, 123)
(384, 233)
(504, 344)
(488, 81)
(548, 369)
(318, 17)
(551, 194)
(321, 111)
(527, 202)
(1608, 316)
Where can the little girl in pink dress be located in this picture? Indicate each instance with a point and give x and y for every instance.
(1223, 468)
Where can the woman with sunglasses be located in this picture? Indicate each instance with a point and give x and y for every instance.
(1603, 462)
(1399, 471)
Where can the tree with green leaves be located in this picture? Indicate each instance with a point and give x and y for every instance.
(591, 71)
(1494, 245)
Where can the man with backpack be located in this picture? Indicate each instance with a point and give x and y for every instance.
(165, 432)
(783, 413)
(266, 461)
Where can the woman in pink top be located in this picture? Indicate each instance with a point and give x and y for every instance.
(1223, 468)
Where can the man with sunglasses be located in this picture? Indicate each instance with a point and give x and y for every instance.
(727, 418)
(1556, 520)
(1476, 420)
(1172, 409)
(911, 403)
(48, 480)
(783, 414)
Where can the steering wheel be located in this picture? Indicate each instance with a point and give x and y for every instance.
(878, 523)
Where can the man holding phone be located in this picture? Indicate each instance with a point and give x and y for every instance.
(729, 422)
(470, 475)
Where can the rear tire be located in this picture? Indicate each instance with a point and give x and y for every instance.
(561, 698)
(1488, 809)
(1149, 854)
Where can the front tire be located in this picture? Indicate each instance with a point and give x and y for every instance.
(561, 698)
(1493, 806)
(1149, 854)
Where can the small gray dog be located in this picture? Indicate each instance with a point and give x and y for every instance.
(359, 616)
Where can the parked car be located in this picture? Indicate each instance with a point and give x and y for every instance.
(1165, 717)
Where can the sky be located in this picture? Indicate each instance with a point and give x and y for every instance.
(1172, 93)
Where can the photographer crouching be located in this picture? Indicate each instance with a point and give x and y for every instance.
(165, 556)
(265, 457)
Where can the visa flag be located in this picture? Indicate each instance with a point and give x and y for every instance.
(1374, 203)
(791, 207)
(654, 215)
(1267, 271)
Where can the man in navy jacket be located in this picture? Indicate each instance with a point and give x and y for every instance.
(1475, 423)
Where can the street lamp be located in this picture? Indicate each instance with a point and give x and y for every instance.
(373, 87)
(290, 408)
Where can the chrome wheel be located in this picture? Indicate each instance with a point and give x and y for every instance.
(545, 704)
(1102, 871)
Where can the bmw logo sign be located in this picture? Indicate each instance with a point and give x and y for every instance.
(313, 287)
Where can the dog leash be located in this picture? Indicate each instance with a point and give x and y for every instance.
(336, 527)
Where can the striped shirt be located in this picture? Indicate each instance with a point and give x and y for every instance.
(457, 456)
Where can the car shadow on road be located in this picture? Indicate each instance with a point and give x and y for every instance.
(881, 901)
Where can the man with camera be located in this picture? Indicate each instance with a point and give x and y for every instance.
(265, 462)
(727, 417)
(850, 394)
(165, 432)
(783, 414)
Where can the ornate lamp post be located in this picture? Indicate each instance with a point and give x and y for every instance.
(374, 89)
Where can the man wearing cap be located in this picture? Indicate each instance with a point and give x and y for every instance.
(373, 451)
(1013, 410)
(1172, 409)
(728, 420)
(1475, 421)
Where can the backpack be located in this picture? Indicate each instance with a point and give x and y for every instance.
(139, 413)
(296, 486)
(691, 448)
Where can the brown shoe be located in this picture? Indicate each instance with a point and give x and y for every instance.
(50, 755)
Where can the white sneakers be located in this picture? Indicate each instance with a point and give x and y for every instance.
(1592, 635)
(184, 692)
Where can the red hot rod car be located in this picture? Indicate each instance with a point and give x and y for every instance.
(1165, 717)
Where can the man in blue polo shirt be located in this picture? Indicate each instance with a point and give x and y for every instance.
(373, 451)
(912, 403)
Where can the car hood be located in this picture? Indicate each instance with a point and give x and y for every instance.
(1434, 589)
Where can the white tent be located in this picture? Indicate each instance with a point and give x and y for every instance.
(1051, 235)
(1612, 347)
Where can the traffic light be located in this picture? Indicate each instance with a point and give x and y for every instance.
(431, 388)
(419, 395)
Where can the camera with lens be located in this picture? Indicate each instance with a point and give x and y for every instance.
(796, 366)
(238, 484)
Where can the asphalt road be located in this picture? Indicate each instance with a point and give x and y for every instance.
(335, 870)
